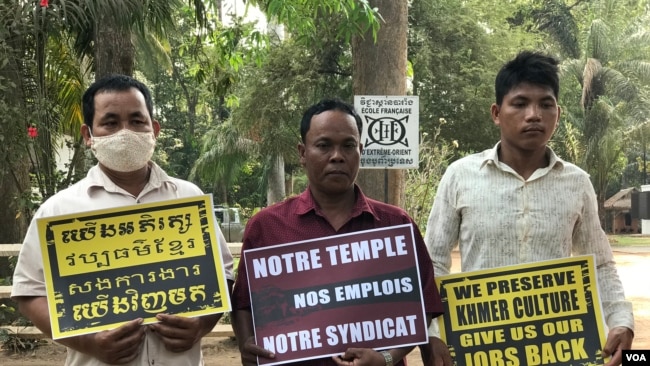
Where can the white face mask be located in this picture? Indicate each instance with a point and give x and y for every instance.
(124, 151)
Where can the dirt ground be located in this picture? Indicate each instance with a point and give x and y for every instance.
(633, 268)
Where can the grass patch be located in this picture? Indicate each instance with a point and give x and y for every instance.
(629, 240)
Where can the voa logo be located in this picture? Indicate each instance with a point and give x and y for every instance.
(636, 357)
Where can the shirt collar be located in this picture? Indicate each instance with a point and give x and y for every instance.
(98, 179)
(306, 203)
(491, 156)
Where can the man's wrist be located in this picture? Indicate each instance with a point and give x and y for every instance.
(388, 358)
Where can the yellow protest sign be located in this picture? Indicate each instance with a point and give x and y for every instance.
(106, 267)
(542, 313)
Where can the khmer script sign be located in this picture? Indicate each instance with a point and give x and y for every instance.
(106, 267)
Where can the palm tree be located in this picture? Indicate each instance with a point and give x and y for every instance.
(612, 67)
(612, 76)
(223, 152)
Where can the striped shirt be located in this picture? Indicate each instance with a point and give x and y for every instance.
(497, 218)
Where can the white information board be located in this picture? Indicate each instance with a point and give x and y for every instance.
(390, 134)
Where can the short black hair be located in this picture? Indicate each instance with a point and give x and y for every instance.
(113, 82)
(528, 67)
(329, 104)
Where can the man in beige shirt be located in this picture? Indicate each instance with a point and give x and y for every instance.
(519, 202)
(119, 128)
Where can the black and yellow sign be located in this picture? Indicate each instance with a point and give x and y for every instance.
(106, 267)
(543, 313)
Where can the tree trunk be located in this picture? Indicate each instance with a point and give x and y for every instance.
(288, 184)
(275, 189)
(114, 51)
(380, 69)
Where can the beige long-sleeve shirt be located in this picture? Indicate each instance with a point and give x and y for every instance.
(497, 218)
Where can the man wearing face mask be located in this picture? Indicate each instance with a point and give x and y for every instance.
(119, 128)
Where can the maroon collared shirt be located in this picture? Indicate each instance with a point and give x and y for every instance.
(299, 218)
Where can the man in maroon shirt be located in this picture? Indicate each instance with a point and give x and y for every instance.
(333, 204)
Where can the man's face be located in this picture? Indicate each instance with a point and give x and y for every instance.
(331, 152)
(527, 116)
(116, 110)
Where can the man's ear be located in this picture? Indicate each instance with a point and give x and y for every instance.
(301, 153)
(156, 128)
(495, 109)
(85, 133)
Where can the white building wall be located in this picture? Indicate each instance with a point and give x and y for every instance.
(645, 224)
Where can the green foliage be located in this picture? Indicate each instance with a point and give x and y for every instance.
(249, 190)
(604, 94)
(553, 18)
(17, 112)
(355, 17)
(264, 125)
(7, 314)
(223, 154)
(13, 343)
(422, 183)
(199, 70)
(229, 98)
(46, 94)
(454, 64)
(629, 240)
